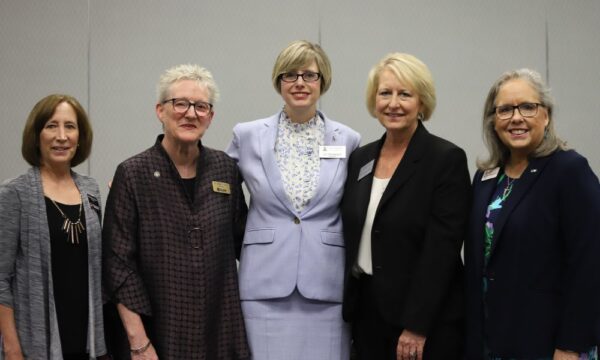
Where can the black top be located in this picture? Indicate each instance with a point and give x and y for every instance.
(70, 278)
(189, 187)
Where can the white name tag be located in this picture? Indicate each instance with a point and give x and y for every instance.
(332, 152)
(490, 174)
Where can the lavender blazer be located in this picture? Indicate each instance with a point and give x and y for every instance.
(284, 249)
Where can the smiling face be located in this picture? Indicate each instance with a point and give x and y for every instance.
(301, 96)
(522, 135)
(396, 104)
(59, 137)
(184, 129)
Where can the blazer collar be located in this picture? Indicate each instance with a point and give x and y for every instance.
(328, 167)
(417, 147)
(520, 188)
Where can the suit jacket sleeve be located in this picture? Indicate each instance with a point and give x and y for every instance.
(233, 150)
(240, 214)
(579, 200)
(10, 215)
(438, 266)
(241, 209)
(123, 281)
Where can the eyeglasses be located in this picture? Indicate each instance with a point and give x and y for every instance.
(506, 112)
(181, 106)
(308, 76)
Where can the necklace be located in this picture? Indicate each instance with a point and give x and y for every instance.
(72, 229)
(508, 188)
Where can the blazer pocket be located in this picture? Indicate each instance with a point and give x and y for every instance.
(259, 236)
(332, 238)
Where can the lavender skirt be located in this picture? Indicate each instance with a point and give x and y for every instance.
(296, 328)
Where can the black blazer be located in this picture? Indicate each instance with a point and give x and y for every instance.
(417, 232)
(543, 275)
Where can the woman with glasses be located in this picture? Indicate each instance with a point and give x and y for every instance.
(532, 250)
(50, 242)
(405, 210)
(292, 258)
(174, 215)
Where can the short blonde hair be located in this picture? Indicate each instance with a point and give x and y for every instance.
(187, 72)
(298, 54)
(409, 70)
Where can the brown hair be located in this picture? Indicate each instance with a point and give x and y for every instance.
(39, 116)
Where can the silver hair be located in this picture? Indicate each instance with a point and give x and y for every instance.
(187, 72)
(498, 152)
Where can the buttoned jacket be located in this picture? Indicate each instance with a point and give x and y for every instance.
(416, 236)
(285, 249)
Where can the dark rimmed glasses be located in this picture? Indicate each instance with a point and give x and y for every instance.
(308, 76)
(181, 106)
(527, 109)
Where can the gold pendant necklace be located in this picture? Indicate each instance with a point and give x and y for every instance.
(72, 229)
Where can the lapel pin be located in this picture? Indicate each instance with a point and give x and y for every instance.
(156, 174)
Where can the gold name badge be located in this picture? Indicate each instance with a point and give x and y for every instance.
(221, 187)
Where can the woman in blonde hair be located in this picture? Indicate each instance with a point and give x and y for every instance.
(404, 211)
(292, 259)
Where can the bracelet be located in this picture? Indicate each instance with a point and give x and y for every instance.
(142, 349)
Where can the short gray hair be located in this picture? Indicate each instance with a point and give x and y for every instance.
(498, 152)
(187, 72)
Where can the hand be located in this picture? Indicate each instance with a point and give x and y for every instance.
(565, 355)
(149, 354)
(410, 346)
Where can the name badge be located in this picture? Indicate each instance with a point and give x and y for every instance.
(221, 187)
(332, 152)
(490, 174)
(366, 169)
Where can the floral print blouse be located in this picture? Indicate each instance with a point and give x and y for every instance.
(297, 152)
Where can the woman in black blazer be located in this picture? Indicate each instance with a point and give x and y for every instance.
(533, 243)
(404, 211)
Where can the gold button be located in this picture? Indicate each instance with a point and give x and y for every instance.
(296, 220)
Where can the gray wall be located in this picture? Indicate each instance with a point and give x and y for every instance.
(109, 54)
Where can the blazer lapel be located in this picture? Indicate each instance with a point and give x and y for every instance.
(328, 168)
(269, 161)
(409, 163)
(520, 189)
(361, 194)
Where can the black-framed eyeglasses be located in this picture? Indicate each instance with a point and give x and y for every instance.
(181, 106)
(308, 76)
(527, 109)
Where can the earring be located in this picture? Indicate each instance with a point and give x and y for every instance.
(420, 116)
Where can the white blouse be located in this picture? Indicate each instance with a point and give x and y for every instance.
(364, 261)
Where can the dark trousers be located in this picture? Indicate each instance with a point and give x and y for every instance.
(374, 338)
